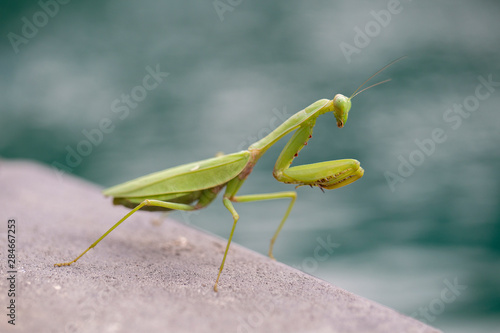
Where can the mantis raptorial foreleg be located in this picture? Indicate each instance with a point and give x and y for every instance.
(327, 175)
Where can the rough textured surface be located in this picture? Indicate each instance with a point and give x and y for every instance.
(149, 276)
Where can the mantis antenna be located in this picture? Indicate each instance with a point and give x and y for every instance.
(371, 77)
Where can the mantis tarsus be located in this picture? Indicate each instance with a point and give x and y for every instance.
(195, 185)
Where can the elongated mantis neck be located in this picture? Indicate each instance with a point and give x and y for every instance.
(302, 118)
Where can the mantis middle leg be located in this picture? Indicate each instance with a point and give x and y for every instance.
(230, 197)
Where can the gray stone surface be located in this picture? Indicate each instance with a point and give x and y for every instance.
(153, 274)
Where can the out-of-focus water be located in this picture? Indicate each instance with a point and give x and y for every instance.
(419, 232)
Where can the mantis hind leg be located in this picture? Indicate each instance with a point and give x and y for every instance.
(147, 203)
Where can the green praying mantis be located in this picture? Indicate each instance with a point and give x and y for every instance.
(195, 185)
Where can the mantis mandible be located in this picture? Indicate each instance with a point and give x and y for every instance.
(195, 185)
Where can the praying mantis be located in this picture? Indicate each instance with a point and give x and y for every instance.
(195, 185)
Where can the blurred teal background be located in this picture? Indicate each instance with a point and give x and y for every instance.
(424, 239)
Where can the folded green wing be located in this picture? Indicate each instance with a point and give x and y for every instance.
(184, 178)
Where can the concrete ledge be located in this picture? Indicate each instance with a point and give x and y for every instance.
(153, 274)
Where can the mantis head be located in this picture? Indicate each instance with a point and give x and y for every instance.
(342, 104)
(341, 107)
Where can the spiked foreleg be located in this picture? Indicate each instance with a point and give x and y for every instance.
(291, 150)
(328, 175)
